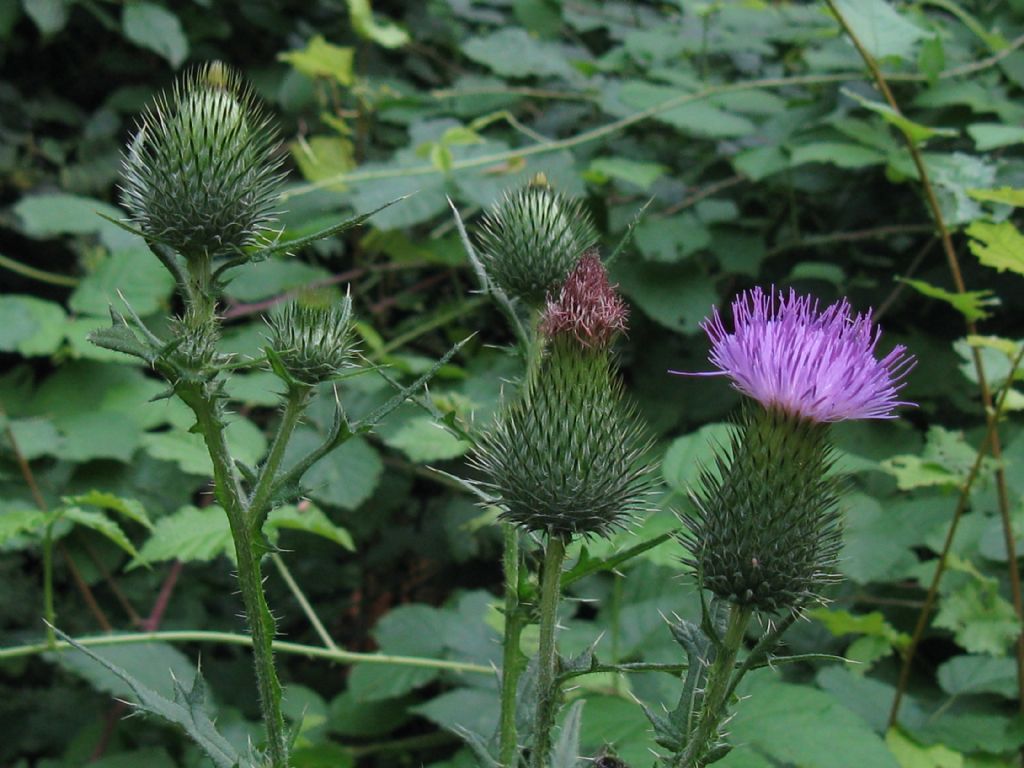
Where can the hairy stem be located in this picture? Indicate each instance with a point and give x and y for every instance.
(547, 659)
(717, 691)
(295, 404)
(512, 661)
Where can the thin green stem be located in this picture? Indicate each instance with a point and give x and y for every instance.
(512, 657)
(716, 694)
(36, 274)
(233, 638)
(303, 601)
(295, 404)
(547, 659)
(48, 609)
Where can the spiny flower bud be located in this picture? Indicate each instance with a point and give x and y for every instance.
(532, 239)
(313, 343)
(767, 528)
(588, 307)
(200, 174)
(564, 458)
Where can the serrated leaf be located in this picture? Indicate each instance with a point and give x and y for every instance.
(103, 525)
(187, 535)
(129, 508)
(910, 754)
(881, 28)
(914, 131)
(971, 304)
(311, 520)
(185, 710)
(981, 620)
(30, 326)
(967, 674)
(17, 522)
(1004, 195)
(1000, 246)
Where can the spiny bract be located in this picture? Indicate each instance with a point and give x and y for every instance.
(766, 531)
(200, 174)
(532, 239)
(564, 458)
(313, 343)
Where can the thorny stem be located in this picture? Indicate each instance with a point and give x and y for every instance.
(248, 550)
(986, 394)
(259, 503)
(716, 694)
(547, 659)
(511, 663)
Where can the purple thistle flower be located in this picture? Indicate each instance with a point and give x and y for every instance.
(818, 365)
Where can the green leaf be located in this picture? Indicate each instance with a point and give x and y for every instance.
(50, 16)
(324, 157)
(154, 27)
(346, 477)
(624, 169)
(513, 52)
(881, 29)
(387, 35)
(35, 437)
(53, 214)
(17, 522)
(311, 520)
(910, 754)
(696, 118)
(98, 434)
(971, 304)
(271, 277)
(135, 274)
(1000, 246)
(30, 326)
(155, 665)
(613, 721)
(838, 153)
(129, 508)
(470, 709)
(189, 534)
(967, 674)
(1004, 195)
(672, 239)
(422, 439)
(946, 461)
(188, 450)
(187, 709)
(104, 526)
(989, 136)
(676, 295)
(687, 455)
(915, 132)
(322, 59)
(797, 724)
(410, 630)
(347, 716)
(981, 620)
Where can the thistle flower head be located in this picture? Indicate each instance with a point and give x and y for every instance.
(817, 364)
(531, 240)
(313, 343)
(200, 174)
(588, 308)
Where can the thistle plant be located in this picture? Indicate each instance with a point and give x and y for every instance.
(564, 458)
(766, 528)
(200, 181)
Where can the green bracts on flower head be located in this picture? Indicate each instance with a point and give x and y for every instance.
(532, 239)
(200, 175)
(313, 343)
(564, 458)
(766, 532)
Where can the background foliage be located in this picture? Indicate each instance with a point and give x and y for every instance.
(766, 156)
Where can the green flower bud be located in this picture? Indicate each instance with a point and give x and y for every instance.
(313, 343)
(200, 174)
(767, 529)
(565, 457)
(532, 239)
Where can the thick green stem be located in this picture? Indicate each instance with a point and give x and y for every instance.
(48, 610)
(248, 550)
(294, 406)
(547, 659)
(716, 693)
(511, 665)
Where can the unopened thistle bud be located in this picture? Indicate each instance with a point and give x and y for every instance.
(200, 175)
(313, 343)
(532, 239)
(767, 529)
(565, 457)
